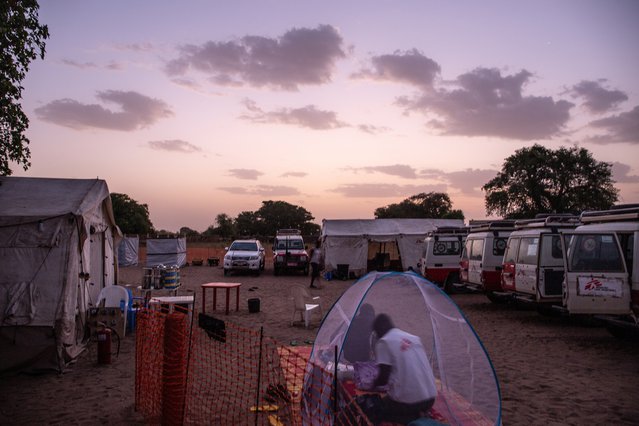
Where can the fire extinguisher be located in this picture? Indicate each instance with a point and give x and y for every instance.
(104, 345)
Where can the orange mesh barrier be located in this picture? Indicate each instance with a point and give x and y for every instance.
(220, 373)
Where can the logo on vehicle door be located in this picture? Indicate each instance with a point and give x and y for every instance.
(589, 286)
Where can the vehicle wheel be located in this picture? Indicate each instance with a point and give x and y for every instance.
(621, 332)
(306, 270)
(262, 266)
(276, 271)
(449, 285)
(547, 311)
(226, 272)
(495, 298)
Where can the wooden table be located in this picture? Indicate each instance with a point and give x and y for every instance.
(228, 287)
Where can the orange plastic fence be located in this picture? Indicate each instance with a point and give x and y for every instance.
(212, 371)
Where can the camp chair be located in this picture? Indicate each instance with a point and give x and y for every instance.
(304, 303)
(115, 296)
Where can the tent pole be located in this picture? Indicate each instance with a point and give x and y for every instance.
(259, 373)
(335, 388)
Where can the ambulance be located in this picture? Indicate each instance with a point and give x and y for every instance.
(533, 265)
(482, 258)
(439, 262)
(601, 268)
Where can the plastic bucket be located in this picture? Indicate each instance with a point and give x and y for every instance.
(254, 305)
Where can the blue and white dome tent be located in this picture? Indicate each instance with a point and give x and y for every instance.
(468, 390)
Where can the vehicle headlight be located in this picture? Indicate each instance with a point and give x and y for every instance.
(303, 258)
(280, 258)
(253, 258)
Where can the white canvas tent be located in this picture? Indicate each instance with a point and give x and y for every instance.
(346, 241)
(57, 251)
(166, 251)
(128, 250)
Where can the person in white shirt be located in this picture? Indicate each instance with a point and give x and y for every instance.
(404, 367)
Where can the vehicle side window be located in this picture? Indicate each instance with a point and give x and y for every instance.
(551, 251)
(466, 251)
(511, 251)
(528, 251)
(499, 246)
(477, 249)
(595, 253)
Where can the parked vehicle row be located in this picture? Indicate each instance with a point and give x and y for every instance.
(579, 265)
(289, 254)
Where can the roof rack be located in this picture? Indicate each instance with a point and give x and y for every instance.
(288, 232)
(549, 220)
(495, 225)
(451, 230)
(617, 213)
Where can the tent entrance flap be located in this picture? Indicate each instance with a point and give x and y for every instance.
(383, 256)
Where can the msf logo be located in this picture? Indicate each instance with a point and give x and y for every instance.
(405, 345)
(593, 284)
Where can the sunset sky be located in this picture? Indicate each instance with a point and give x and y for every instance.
(201, 107)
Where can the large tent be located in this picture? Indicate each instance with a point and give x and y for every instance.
(358, 242)
(467, 387)
(58, 242)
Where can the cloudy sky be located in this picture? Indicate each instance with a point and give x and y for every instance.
(199, 108)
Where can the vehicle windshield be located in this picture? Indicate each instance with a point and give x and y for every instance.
(244, 246)
(594, 253)
(292, 244)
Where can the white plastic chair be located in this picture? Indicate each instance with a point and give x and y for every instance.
(113, 296)
(304, 303)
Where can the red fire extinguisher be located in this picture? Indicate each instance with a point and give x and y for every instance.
(104, 346)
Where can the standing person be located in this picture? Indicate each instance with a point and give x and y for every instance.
(404, 366)
(316, 262)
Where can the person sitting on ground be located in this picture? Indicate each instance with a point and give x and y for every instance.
(404, 366)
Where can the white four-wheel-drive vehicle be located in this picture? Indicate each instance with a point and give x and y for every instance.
(483, 255)
(289, 252)
(439, 262)
(244, 255)
(533, 265)
(601, 268)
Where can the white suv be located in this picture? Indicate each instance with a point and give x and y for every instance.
(244, 255)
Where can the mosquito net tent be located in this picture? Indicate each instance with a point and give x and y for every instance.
(467, 387)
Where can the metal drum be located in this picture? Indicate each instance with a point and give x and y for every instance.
(158, 276)
(171, 278)
(147, 279)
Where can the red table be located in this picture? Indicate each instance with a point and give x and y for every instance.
(228, 287)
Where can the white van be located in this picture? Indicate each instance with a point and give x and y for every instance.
(533, 265)
(439, 262)
(483, 255)
(601, 267)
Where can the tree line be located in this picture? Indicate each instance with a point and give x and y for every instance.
(532, 181)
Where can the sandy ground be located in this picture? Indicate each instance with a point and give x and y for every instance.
(552, 370)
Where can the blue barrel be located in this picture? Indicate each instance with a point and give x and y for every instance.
(171, 278)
